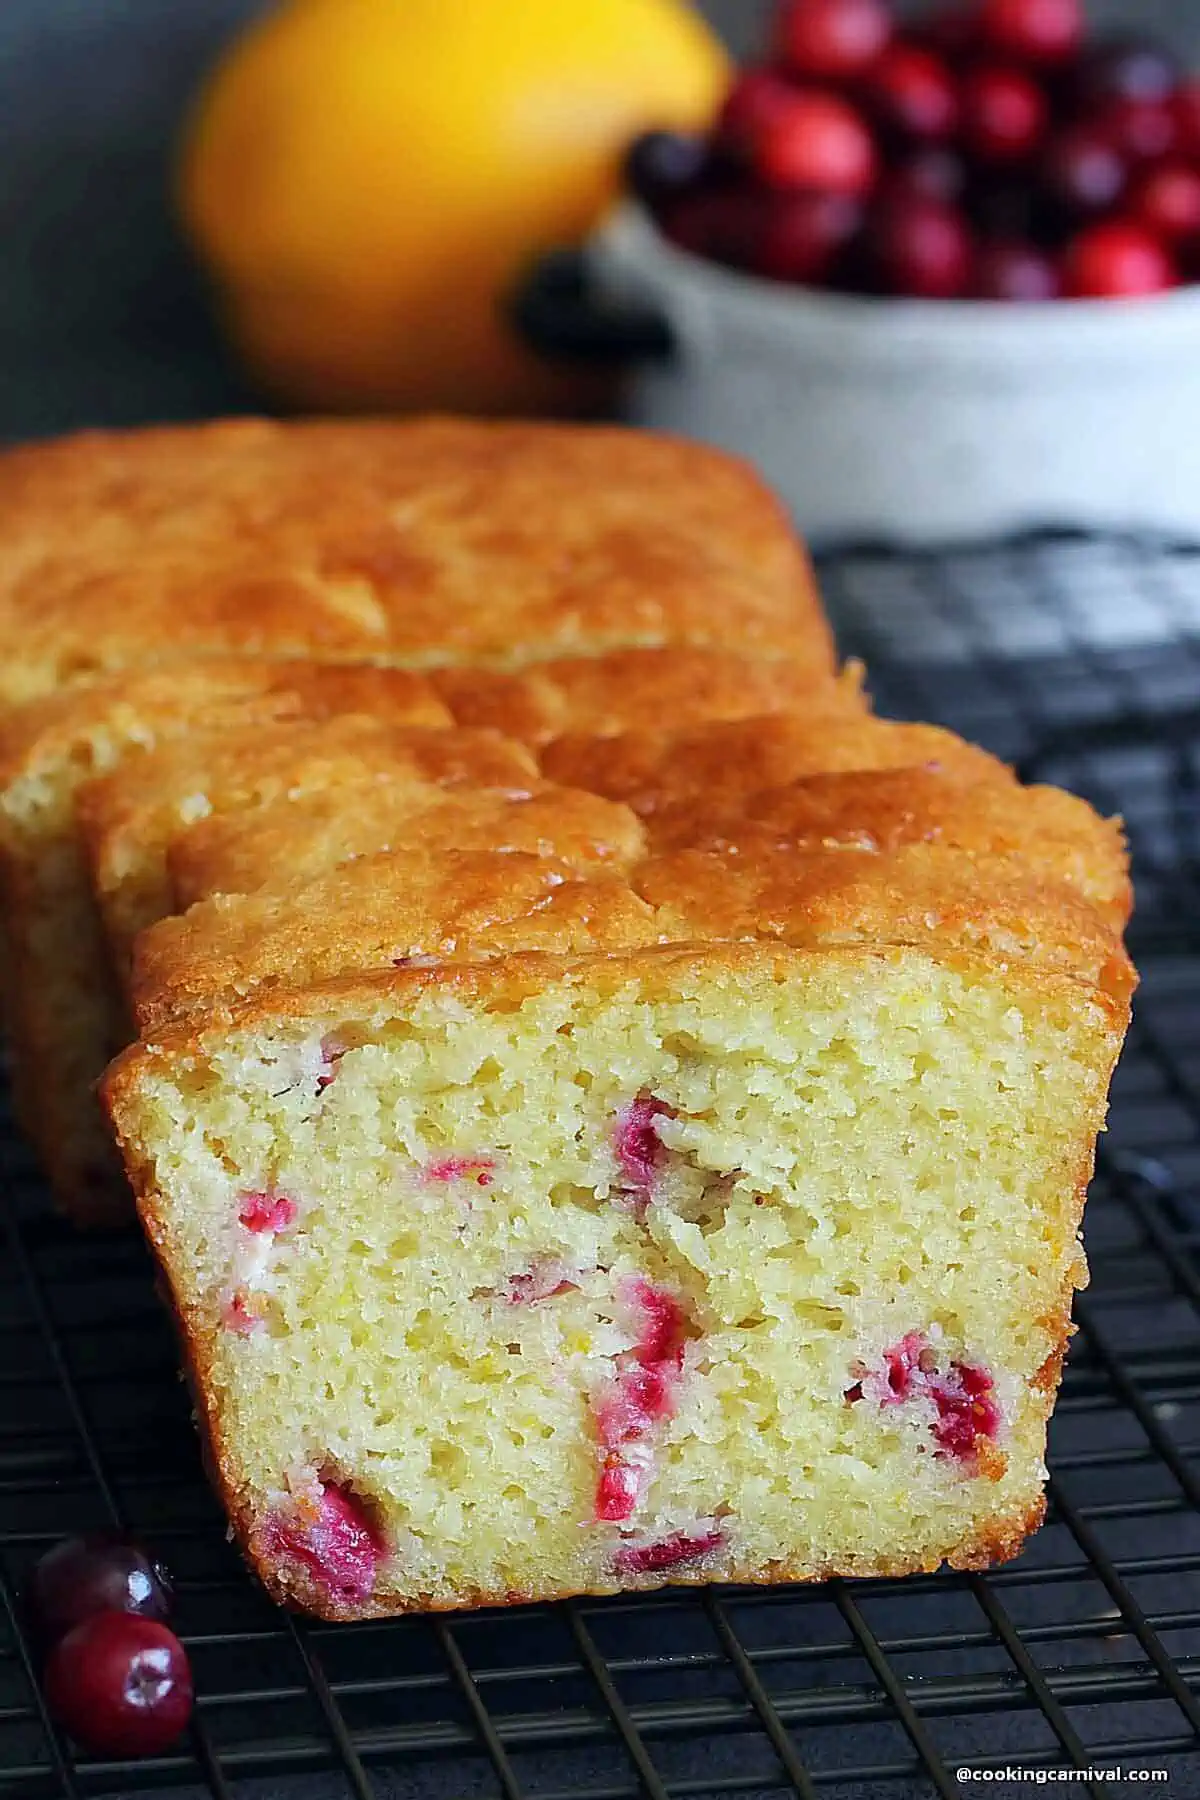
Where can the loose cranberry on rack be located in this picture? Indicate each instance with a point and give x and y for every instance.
(120, 1685)
(105, 1572)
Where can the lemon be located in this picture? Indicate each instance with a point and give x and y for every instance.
(366, 179)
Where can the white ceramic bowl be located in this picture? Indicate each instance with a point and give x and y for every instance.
(921, 421)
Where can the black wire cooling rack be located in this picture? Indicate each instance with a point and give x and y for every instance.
(1081, 660)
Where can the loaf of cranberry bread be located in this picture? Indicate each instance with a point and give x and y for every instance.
(200, 579)
(559, 1197)
(425, 542)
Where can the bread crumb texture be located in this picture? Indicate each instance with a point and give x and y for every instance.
(724, 1273)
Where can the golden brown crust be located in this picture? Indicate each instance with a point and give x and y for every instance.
(127, 820)
(457, 907)
(1055, 834)
(627, 688)
(920, 894)
(429, 541)
(379, 912)
(715, 765)
(297, 837)
(169, 699)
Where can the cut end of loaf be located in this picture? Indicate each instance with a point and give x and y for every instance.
(755, 1267)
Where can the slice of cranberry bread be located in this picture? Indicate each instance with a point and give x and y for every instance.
(62, 1014)
(129, 819)
(624, 689)
(540, 1225)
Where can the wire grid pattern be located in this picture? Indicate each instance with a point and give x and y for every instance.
(1086, 1651)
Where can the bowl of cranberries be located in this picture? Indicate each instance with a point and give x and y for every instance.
(940, 278)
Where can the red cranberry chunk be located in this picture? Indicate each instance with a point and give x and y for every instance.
(120, 1685)
(641, 1153)
(967, 1409)
(636, 1401)
(963, 1396)
(902, 1368)
(640, 1397)
(663, 1322)
(479, 1169)
(545, 1279)
(333, 1539)
(267, 1212)
(332, 1053)
(619, 1492)
(668, 1553)
(238, 1315)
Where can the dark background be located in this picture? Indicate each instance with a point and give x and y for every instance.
(101, 318)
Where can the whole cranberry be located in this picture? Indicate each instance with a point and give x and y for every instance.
(661, 164)
(1186, 107)
(831, 40)
(1144, 131)
(1042, 32)
(919, 248)
(1168, 200)
(933, 171)
(720, 224)
(1004, 114)
(102, 1573)
(1013, 269)
(1124, 68)
(121, 1686)
(819, 142)
(755, 101)
(1119, 259)
(1083, 171)
(804, 236)
(912, 95)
